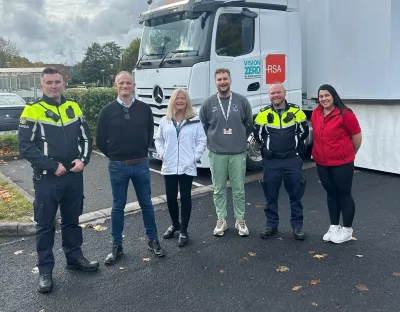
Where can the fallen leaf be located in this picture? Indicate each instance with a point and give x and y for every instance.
(359, 256)
(41, 310)
(146, 259)
(18, 252)
(34, 254)
(83, 225)
(315, 282)
(282, 268)
(252, 254)
(311, 252)
(362, 287)
(244, 259)
(35, 270)
(99, 228)
(121, 268)
(320, 256)
(296, 288)
(258, 206)
(396, 273)
(353, 238)
(356, 171)
(314, 304)
(221, 271)
(280, 238)
(248, 204)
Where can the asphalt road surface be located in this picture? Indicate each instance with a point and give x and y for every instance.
(230, 273)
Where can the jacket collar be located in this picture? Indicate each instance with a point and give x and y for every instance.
(335, 112)
(53, 102)
(284, 108)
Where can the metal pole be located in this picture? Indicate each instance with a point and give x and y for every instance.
(34, 86)
(10, 87)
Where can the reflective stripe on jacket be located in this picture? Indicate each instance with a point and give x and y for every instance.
(51, 133)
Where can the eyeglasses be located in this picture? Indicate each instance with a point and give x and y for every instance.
(126, 113)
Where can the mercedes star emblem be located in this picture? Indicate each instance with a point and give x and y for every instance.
(158, 94)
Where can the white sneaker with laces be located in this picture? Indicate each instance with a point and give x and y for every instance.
(241, 226)
(221, 227)
(342, 236)
(332, 230)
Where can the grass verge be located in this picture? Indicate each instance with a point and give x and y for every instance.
(14, 207)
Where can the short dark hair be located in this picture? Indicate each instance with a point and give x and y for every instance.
(50, 71)
(222, 71)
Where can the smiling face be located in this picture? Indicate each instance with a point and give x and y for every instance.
(223, 83)
(326, 99)
(180, 102)
(124, 85)
(277, 95)
(52, 85)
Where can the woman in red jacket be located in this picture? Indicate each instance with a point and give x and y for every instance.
(337, 138)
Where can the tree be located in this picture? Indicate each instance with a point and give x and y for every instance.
(8, 50)
(20, 62)
(100, 57)
(130, 56)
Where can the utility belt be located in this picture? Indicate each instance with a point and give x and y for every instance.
(266, 153)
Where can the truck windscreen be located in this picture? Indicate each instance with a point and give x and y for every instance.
(174, 33)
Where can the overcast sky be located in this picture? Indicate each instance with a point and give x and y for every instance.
(59, 31)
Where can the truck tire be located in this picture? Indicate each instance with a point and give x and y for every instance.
(254, 159)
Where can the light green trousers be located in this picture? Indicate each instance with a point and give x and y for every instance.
(232, 166)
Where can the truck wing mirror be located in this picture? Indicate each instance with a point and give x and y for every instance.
(250, 14)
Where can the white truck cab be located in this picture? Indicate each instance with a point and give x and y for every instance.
(184, 42)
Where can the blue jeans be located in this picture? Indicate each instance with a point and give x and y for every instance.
(120, 175)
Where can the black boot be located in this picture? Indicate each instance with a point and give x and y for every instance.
(299, 234)
(154, 246)
(268, 232)
(45, 283)
(116, 252)
(83, 264)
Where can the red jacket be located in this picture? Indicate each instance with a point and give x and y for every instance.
(333, 145)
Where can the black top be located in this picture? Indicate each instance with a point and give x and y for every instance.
(120, 138)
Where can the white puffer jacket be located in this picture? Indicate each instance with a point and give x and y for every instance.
(179, 154)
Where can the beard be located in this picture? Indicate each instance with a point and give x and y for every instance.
(224, 93)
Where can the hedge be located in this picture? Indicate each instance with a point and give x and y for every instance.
(91, 102)
(8, 143)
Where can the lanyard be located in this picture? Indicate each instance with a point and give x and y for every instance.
(226, 116)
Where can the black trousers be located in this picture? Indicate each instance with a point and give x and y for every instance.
(290, 171)
(337, 181)
(185, 188)
(51, 191)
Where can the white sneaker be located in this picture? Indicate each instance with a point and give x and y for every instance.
(221, 227)
(342, 236)
(240, 225)
(332, 230)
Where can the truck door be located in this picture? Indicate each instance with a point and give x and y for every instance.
(236, 46)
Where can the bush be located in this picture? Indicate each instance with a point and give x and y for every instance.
(8, 143)
(91, 102)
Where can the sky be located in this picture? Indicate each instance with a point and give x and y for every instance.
(60, 31)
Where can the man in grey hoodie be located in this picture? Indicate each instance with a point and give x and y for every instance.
(228, 121)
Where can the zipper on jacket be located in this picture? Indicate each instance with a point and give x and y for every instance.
(280, 122)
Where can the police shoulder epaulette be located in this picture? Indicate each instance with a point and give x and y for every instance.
(265, 108)
(294, 105)
(70, 100)
(33, 103)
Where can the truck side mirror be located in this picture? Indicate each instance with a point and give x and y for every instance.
(250, 14)
(192, 15)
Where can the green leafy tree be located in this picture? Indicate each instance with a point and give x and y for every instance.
(100, 57)
(130, 56)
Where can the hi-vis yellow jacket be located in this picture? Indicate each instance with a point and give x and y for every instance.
(51, 133)
(281, 133)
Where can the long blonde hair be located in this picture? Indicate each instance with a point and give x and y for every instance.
(189, 111)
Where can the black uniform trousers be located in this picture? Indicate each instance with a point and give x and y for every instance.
(290, 170)
(51, 192)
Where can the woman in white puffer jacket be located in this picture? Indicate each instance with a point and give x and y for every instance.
(180, 142)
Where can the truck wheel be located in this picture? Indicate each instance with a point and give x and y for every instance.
(254, 159)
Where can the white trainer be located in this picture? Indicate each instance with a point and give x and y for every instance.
(342, 236)
(332, 230)
(221, 227)
(241, 226)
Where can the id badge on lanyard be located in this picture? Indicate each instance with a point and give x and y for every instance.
(227, 130)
